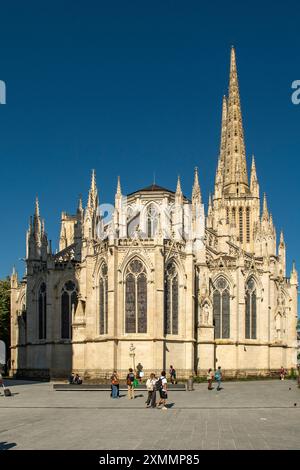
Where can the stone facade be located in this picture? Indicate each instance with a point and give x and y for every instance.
(160, 283)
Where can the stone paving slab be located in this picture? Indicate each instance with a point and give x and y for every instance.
(244, 415)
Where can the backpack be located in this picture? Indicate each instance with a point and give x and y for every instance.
(158, 385)
(130, 378)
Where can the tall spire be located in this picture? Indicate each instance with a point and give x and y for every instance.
(37, 207)
(265, 212)
(196, 193)
(178, 194)
(223, 133)
(93, 183)
(119, 191)
(80, 208)
(254, 188)
(178, 187)
(236, 180)
(37, 224)
(93, 193)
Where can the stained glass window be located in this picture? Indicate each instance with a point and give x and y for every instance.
(171, 299)
(250, 310)
(221, 308)
(103, 294)
(69, 300)
(136, 298)
(42, 307)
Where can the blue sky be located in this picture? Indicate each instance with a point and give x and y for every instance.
(134, 88)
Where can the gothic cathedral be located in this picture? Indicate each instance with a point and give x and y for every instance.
(160, 283)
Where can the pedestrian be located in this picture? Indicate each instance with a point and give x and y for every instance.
(210, 378)
(150, 384)
(114, 380)
(130, 380)
(218, 377)
(162, 386)
(140, 373)
(71, 378)
(172, 373)
(77, 379)
(282, 373)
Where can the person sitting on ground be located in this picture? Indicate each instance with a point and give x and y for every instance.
(77, 379)
(282, 373)
(71, 378)
(172, 373)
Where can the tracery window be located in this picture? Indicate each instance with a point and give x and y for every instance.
(248, 225)
(250, 309)
(221, 308)
(233, 217)
(42, 310)
(241, 223)
(136, 298)
(171, 299)
(152, 217)
(103, 299)
(69, 300)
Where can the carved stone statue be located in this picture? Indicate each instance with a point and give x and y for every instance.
(205, 314)
(278, 326)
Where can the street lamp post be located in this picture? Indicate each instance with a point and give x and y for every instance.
(132, 354)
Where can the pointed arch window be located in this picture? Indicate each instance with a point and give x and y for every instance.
(221, 308)
(103, 299)
(171, 300)
(136, 298)
(233, 217)
(248, 225)
(151, 221)
(241, 224)
(250, 310)
(69, 300)
(42, 309)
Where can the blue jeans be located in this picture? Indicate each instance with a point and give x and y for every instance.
(114, 391)
(219, 384)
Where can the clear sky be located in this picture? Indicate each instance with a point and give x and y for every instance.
(133, 88)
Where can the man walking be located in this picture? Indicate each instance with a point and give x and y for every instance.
(172, 373)
(150, 384)
(218, 378)
(163, 390)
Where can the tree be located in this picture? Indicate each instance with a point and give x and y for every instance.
(5, 311)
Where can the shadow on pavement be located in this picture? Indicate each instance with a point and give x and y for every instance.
(7, 445)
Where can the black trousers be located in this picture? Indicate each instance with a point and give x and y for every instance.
(149, 397)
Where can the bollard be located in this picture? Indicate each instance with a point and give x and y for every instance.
(190, 384)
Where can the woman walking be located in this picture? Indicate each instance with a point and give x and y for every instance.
(130, 380)
(210, 378)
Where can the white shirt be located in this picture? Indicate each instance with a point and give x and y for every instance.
(164, 382)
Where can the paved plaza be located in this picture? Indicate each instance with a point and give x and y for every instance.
(244, 415)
